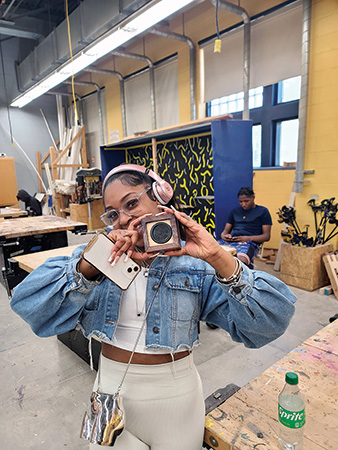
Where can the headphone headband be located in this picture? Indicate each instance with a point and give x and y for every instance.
(161, 188)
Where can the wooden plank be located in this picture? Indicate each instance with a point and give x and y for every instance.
(238, 427)
(27, 226)
(33, 260)
(326, 339)
(253, 409)
(12, 212)
(182, 125)
(64, 151)
(331, 265)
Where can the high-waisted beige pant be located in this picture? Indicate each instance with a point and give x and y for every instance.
(163, 405)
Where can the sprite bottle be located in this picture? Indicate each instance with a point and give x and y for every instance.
(291, 414)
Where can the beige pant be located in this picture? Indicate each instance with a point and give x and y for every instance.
(163, 405)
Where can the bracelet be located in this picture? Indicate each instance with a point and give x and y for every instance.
(234, 278)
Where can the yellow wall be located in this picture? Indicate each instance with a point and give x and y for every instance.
(272, 187)
(322, 123)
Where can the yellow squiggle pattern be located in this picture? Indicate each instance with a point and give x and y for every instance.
(187, 164)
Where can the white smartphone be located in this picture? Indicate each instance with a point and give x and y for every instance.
(97, 254)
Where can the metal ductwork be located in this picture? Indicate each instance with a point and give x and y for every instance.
(246, 57)
(302, 110)
(125, 54)
(192, 63)
(98, 90)
(87, 23)
(92, 69)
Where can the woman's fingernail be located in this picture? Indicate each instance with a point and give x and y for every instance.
(126, 259)
(111, 257)
(116, 260)
(173, 208)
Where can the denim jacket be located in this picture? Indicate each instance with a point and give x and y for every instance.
(56, 298)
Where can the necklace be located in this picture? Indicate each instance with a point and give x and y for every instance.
(141, 287)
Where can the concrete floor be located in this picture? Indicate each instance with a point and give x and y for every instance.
(45, 387)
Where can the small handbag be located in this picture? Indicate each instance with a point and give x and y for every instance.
(105, 420)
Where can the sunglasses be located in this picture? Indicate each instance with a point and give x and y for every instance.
(130, 207)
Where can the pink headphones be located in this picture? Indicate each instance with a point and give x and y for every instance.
(162, 189)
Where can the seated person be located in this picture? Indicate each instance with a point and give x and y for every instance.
(247, 227)
(32, 205)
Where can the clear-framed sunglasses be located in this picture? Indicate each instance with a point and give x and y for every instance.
(131, 206)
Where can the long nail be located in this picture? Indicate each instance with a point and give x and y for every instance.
(116, 260)
(126, 259)
(173, 208)
(111, 257)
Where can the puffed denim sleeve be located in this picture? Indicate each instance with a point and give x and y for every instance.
(50, 299)
(258, 308)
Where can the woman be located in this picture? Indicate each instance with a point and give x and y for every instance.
(162, 395)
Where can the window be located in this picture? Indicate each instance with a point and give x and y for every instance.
(286, 141)
(235, 102)
(274, 112)
(256, 145)
(289, 90)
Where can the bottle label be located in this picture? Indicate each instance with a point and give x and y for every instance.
(291, 419)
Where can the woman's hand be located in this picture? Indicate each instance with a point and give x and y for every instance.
(126, 242)
(201, 244)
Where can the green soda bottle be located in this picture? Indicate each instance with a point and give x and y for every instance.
(291, 414)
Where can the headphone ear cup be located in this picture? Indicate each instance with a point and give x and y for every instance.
(157, 194)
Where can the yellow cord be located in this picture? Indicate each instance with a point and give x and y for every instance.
(71, 57)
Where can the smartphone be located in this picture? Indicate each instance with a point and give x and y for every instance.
(97, 254)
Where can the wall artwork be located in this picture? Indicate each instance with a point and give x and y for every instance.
(187, 164)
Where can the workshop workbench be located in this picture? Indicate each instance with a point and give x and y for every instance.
(249, 419)
(12, 213)
(33, 260)
(26, 235)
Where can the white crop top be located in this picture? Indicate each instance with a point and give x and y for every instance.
(131, 316)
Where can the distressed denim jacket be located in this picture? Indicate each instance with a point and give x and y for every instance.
(55, 298)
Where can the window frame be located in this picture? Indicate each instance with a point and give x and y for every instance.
(268, 115)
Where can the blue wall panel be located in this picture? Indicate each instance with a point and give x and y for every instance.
(232, 159)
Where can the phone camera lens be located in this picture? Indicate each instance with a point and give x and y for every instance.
(129, 269)
(161, 232)
(135, 268)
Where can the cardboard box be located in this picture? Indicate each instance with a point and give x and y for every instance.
(80, 213)
(303, 267)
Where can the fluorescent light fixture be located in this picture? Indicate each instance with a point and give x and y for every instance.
(148, 17)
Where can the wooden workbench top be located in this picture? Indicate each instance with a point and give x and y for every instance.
(33, 260)
(25, 226)
(251, 412)
(12, 212)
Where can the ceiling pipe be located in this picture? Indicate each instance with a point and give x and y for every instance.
(192, 63)
(98, 90)
(246, 57)
(125, 54)
(92, 69)
(303, 102)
